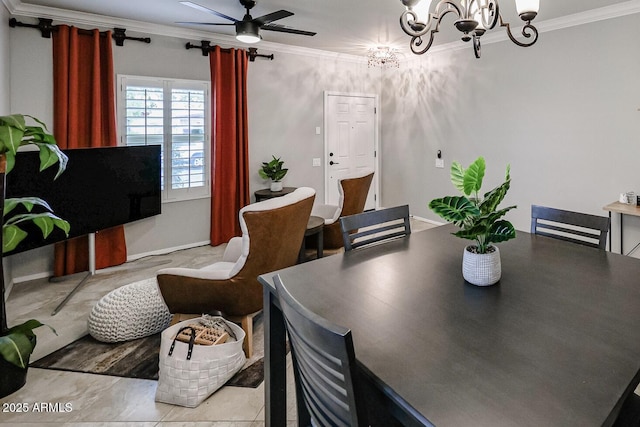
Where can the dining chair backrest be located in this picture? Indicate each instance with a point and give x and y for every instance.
(324, 365)
(374, 226)
(584, 229)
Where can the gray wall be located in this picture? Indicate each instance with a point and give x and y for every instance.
(564, 113)
(285, 107)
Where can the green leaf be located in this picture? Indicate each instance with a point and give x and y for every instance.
(11, 138)
(27, 327)
(12, 235)
(492, 217)
(18, 343)
(47, 222)
(11, 161)
(37, 121)
(501, 231)
(471, 233)
(16, 349)
(50, 155)
(494, 197)
(15, 120)
(455, 209)
(27, 202)
(457, 176)
(472, 180)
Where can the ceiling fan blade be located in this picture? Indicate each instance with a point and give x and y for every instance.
(265, 19)
(287, 30)
(201, 23)
(207, 10)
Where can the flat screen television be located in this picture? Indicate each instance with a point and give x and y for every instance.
(101, 188)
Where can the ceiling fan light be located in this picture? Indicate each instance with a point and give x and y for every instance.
(247, 32)
(248, 38)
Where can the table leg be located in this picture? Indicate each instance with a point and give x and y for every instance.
(621, 235)
(275, 365)
(610, 226)
(320, 243)
(302, 256)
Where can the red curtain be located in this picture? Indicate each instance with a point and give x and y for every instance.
(230, 142)
(84, 116)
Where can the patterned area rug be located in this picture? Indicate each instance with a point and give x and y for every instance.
(139, 358)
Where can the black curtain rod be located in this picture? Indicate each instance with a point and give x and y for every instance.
(206, 47)
(46, 28)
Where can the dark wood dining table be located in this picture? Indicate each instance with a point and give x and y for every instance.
(555, 343)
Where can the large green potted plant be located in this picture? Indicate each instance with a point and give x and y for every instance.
(479, 220)
(17, 343)
(273, 171)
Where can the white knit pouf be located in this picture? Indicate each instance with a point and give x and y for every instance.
(130, 312)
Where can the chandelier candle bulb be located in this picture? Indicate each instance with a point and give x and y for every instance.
(527, 6)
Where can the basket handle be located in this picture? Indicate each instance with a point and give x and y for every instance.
(191, 341)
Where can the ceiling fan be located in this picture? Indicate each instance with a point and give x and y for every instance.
(248, 29)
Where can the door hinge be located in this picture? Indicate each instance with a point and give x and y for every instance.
(375, 153)
(375, 110)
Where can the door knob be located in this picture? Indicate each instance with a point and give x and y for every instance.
(333, 163)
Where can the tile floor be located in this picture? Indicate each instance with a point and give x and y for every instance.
(77, 399)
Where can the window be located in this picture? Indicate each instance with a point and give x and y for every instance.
(175, 115)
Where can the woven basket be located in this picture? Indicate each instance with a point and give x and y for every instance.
(481, 269)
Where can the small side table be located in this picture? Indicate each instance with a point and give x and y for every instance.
(314, 226)
(266, 193)
(623, 209)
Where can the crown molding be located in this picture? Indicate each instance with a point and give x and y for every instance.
(17, 8)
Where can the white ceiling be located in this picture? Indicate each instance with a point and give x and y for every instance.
(343, 26)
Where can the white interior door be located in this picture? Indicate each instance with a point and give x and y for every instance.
(350, 141)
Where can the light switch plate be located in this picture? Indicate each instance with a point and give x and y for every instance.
(318, 132)
(439, 163)
(316, 161)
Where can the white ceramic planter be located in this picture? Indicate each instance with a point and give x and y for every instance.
(481, 269)
(276, 186)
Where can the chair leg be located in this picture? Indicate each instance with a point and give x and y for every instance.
(247, 325)
(246, 322)
(179, 317)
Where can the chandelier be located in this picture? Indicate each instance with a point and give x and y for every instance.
(475, 17)
(382, 56)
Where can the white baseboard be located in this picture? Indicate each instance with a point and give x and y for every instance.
(36, 276)
(419, 218)
(165, 251)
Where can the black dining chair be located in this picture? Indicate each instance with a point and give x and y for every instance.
(584, 229)
(629, 415)
(324, 366)
(374, 226)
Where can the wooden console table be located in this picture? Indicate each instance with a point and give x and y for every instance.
(623, 209)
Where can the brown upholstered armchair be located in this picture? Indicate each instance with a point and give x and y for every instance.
(353, 192)
(272, 233)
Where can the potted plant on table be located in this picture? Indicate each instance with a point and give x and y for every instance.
(479, 219)
(274, 171)
(17, 343)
